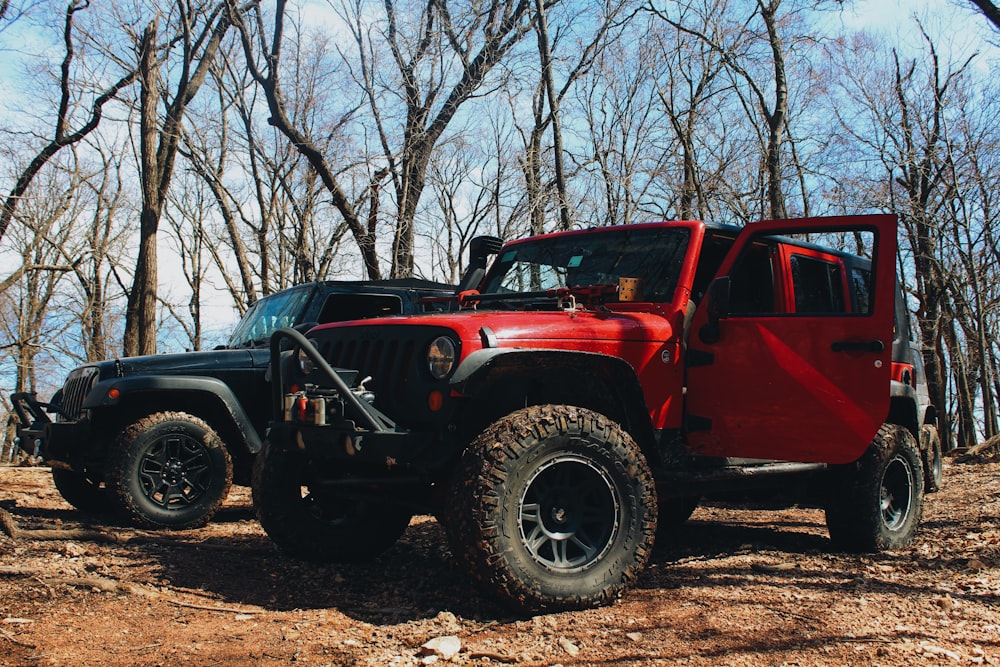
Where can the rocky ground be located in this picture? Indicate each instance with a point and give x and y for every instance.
(734, 586)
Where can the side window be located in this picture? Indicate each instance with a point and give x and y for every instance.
(752, 283)
(818, 285)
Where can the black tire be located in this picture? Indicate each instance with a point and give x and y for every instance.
(169, 470)
(930, 449)
(553, 507)
(82, 491)
(875, 504)
(674, 511)
(308, 523)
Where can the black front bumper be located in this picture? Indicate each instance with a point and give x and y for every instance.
(31, 422)
(336, 425)
(344, 444)
(39, 435)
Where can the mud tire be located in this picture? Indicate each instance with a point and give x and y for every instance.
(82, 491)
(319, 527)
(169, 470)
(553, 508)
(933, 461)
(875, 503)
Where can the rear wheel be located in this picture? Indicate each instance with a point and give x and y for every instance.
(82, 490)
(553, 508)
(875, 504)
(311, 523)
(170, 470)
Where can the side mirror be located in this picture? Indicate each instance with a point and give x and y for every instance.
(717, 307)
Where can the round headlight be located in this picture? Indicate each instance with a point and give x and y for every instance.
(441, 357)
(306, 364)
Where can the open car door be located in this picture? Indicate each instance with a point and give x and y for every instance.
(769, 378)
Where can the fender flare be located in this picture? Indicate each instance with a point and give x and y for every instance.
(482, 366)
(99, 397)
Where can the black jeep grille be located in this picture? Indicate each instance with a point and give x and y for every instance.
(389, 363)
(393, 356)
(77, 386)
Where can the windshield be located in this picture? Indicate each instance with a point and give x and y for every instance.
(273, 312)
(643, 262)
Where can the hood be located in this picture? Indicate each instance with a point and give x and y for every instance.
(184, 363)
(517, 328)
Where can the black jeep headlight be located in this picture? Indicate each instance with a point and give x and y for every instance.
(441, 357)
(306, 364)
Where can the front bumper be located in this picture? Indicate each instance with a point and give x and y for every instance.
(338, 423)
(39, 435)
(345, 444)
(31, 422)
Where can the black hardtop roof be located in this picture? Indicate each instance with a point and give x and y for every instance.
(387, 284)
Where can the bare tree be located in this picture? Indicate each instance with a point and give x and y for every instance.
(769, 99)
(62, 135)
(900, 110)
(41, 239)
(690, 79)
(159, 145)
(990, 10)
(426, 47)
(265, 66)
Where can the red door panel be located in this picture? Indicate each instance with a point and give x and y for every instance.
(794, 386)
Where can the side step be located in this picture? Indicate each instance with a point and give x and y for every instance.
(700, 481)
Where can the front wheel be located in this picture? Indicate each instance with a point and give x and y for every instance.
(553, 508)
(875, 503)
(170, 470)
(309, 521)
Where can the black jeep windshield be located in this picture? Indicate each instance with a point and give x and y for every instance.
(282, 309)
(644, 262)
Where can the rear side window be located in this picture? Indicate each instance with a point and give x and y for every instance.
(818, 285)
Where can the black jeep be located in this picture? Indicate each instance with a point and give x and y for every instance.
(162, 437)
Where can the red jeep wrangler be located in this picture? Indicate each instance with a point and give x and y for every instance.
(596, 380)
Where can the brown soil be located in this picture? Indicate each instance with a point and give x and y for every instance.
(734, 586)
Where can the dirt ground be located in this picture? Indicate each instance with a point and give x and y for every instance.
(734, 586)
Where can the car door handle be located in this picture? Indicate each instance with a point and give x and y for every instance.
(858, 346)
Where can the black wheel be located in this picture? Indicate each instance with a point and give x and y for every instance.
(930, 449)
(170, 470)
(553, 507)
(674, 511)
(875, 504)
(82, 490)
(311, 523)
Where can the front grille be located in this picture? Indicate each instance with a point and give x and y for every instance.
(77, 386)
(388, 362)
(393, 356)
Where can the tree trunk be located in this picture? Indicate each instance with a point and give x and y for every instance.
(140, 312)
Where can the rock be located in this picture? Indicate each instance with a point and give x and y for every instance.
(569, 646)
(443, 647)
